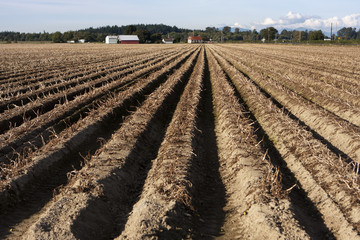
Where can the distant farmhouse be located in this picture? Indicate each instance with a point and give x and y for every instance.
(111, 39)
(79, 41)
(195, 39)
(129, 39)
(168, 40)
(123, 39)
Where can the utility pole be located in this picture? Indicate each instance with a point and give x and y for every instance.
(331, 36)
(300, 36)
(268, 34)
(336, 32)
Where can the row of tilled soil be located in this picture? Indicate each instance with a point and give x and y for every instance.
(338, 101)
(320, 172)
(34, 105)
(337, 131)
(328, 61)
(150, 179)
(325, 83)
(302, 65)
(99, 197)
(42, 126)
(42, 84)
(18, 175)
(28, 62)
(78, 75)
(253, 188)
(196, 143)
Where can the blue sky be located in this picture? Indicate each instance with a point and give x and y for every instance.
(64, 15)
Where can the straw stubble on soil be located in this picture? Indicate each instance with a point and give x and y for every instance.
(179, 142)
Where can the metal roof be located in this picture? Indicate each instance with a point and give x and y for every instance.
(128, 38)
(195, 38)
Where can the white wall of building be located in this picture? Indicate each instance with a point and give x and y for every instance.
(111, 39)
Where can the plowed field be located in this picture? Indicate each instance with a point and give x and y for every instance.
(179, 142)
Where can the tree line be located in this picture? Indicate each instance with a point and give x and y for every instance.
(154, 33)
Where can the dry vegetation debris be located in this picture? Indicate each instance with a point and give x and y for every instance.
(181, 141)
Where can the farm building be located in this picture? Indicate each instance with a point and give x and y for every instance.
(168, 40)
(194, 39)
(129, 39)
(111, 39)
(82, 40)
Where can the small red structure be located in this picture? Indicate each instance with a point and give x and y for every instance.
(129, 39)
(195, 39)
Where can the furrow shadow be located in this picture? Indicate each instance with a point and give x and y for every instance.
(105, 217)
(304, 209)
(39, 191)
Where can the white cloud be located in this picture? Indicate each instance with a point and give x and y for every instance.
(293, 20)
(292, 15)
(352, 20)
(269, 21)
(288, 19)
(238, 25)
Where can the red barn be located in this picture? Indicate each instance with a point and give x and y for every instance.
(195, 39)
(129, 39)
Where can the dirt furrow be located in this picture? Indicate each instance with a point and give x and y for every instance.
(107, 81)
(74, 56)
(179, 142)
(337, 73)
(341, 103)
(19, 177)
(255, 205)
(42, 126)
(339, 132)
(163, 209)
(310, 161)
(87, 78)
(96, 200)
(101, 65)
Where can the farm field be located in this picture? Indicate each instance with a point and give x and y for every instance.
(229, 141)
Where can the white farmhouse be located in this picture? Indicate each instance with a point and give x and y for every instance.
(195, 39)
(168, 40)
(111, 39)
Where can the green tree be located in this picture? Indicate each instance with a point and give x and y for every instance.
(67, 36)
(210, 29)
(89, 37)
(285, 35)
(205, 36)
(156, 38)
(299, 35)
(178, 37)
(57, 37)
(268, 33)
(131, 29)
(347, 33)
(100, 37)
(226, 30)
(45, 36)
(316, 35)
(144, 35)
(254, 35)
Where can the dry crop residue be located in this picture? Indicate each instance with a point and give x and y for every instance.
(179, 142)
